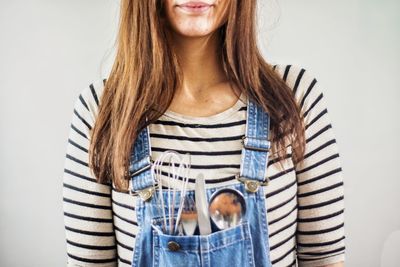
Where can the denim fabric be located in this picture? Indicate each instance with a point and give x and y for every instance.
(243, 245)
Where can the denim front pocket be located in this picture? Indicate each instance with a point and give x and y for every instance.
(173, 250)
(231, 247)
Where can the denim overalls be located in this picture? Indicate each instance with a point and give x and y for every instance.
(243, 245)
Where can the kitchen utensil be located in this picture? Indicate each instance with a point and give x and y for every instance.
(189, 216)
(227, 208)
(176, 181)
(202, 205)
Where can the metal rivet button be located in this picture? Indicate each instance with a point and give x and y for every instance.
(146, 194)
(252, 186)
(173, 246)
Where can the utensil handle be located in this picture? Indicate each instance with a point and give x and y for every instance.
(202, 206)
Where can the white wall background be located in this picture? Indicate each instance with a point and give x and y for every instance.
(51, 50)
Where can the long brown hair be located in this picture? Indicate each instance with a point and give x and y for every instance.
(146, 73)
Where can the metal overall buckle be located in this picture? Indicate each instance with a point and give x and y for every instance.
(251, 185)
(247, 146)
(146, 193)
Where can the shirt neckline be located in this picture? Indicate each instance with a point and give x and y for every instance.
(241, 101)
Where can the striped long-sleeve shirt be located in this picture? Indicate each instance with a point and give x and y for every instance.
(305, 204)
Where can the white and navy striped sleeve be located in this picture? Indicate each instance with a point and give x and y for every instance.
(320, 224)
(90, 237)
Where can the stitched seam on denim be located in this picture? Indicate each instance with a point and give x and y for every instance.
(250, 253)
(228, 244)
(264, 222)
(139, 234)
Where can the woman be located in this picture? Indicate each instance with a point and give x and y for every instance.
(187, 72)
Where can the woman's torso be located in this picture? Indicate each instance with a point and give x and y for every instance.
(214, 143)
(305, 204)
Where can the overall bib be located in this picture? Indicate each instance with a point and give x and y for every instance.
(242, 245)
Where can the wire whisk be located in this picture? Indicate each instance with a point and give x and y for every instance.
(176, 182)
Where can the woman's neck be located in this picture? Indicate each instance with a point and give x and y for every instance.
(200, 62)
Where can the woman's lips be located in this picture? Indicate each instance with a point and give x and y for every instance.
(195, 7)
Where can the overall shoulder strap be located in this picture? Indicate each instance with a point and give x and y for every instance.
(256, 147)
(142, 179)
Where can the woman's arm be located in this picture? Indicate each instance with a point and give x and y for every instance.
(320, 193)
(90, 238)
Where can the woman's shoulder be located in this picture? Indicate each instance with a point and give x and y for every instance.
(86, 107)
(89, 97)
(295, 75)
(301, 81)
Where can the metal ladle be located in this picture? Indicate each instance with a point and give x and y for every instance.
(227, 208)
